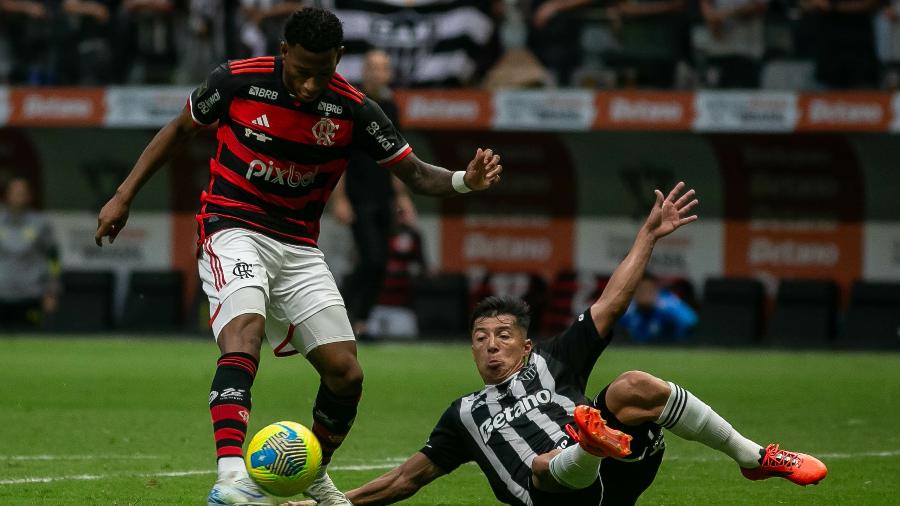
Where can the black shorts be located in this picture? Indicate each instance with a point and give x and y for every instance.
(621, 481)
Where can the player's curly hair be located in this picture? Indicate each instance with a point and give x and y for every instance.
(315, 29)
(497, 305)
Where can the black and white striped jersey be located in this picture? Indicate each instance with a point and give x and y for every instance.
(504, 427)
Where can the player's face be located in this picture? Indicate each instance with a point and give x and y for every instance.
(306, 73)
(499, 347)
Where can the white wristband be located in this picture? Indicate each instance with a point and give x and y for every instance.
(459, 183)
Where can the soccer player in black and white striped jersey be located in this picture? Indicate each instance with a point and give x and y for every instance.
(516, 427)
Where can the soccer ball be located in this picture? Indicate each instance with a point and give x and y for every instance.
(284, 458)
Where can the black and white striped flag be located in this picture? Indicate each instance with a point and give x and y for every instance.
(431, 42)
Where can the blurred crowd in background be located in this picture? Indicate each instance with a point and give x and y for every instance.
(682, 44)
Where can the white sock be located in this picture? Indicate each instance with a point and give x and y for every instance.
(574, 467)
(229, 465)
(688, 417)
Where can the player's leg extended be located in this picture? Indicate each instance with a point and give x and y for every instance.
(332, 351)
(339, 393)
(234, 279)
(230, 404)
(636, 397)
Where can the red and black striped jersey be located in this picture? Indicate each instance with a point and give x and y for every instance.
(278, 159)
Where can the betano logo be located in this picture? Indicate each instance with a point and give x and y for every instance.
(840, 111)
(41, 106)
(522, 407)
(425, 108)
(623, 109)
(289, 176)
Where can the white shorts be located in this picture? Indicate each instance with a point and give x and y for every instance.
(294, 280)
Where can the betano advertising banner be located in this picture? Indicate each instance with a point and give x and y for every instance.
(539, 110)
(794, 207)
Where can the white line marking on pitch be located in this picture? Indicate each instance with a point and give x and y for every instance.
(81, 457)
(174, 474)
(387, 464)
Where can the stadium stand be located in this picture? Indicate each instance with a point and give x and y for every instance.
(731, 312)
(154, 301)
(873, 316)
(86, 302)
(804, 313)
(441, 305)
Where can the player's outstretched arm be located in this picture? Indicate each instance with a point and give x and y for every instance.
(667, 214)
(426, 179)
(166, 143)
(395, 485)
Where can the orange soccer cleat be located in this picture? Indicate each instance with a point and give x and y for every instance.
(596, 437)
(799, 468)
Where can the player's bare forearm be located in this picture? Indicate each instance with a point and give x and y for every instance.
(168, 141)
(622, 284)
(666, 215)
(397, 484)
(426, 179)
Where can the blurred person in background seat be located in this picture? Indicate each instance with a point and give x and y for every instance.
(28, 260)
(657, 314)
(370, 199)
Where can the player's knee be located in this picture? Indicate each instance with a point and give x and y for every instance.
(243, 333)
(638, 389)
(345, 378)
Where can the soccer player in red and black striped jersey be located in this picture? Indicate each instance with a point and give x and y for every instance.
(285, 127)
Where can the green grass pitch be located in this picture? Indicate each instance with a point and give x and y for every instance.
(116, 422)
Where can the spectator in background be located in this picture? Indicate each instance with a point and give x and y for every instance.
(393, 315)
(146, 41)
(555, 37)
(517, 66)
(28, 260)
(205, 40)
(845, 42)
(28, 28)
(657, 315)
(368, 198)
(86, 56)
(653, 35)
(731, 42)
(887, 27)
(260, 31)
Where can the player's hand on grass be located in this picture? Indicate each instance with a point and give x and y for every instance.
(671, 212)
(309, 502)
(484, 170)
(111, 220)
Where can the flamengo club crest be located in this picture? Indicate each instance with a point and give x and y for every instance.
(324, 131)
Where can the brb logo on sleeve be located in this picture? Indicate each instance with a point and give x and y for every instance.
(291, 176)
